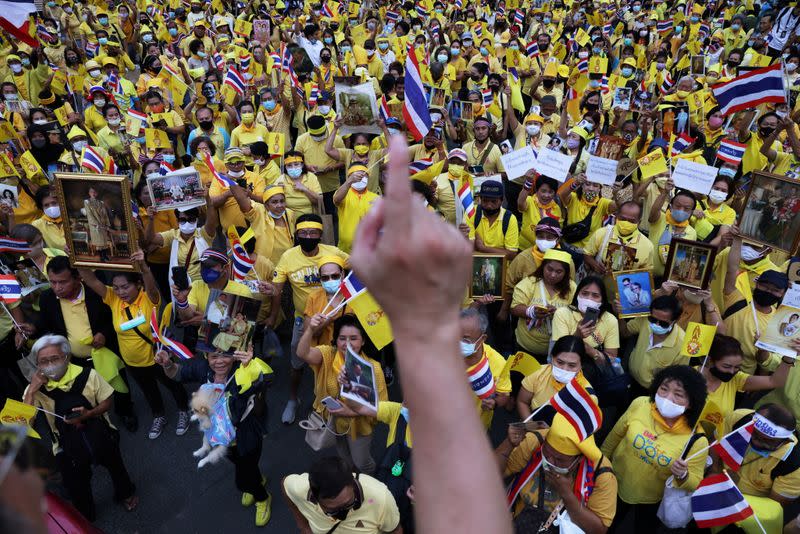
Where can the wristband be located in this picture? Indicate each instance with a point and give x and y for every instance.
(182, 305)
(531, 312)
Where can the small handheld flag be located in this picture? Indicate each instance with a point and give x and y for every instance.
(732, 447)
(481, 379)
(731, 151)
(235, 81)
(10, 290)
(465, 197)
(578, 407)
(14, 246)
(242, 262)
(351, 287)
(415, 106)
(751, 89)
(223, 180)
(92, 160)
(718, 502)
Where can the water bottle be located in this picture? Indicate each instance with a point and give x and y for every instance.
(616, 365)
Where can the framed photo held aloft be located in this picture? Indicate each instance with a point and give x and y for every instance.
(98, 220)
(635, 291)
(690, 263)
(178, 189)
(488, 273)
(771, 212)
(229, 324)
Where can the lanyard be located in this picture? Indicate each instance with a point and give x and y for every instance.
(755, 318)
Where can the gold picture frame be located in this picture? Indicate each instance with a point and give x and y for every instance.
(690, 263)
(98, 227)
(488, 273)
(767, 215)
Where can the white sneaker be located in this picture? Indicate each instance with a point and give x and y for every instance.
(289, 412)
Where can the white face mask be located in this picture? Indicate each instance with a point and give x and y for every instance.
(562, 375)
(324, 110)
(749, 253)
(94, 73)
(54, 212)
(533, 129)
(235, 174)
(667, 408)
(545, 244)
(360, 185)
(584, 304)
(717, 197)
(79, 146)
(468, 349)
(113, 122)
(16, 68)
(99, 103)
(274, 216)
(436, 117)
(40, 121)
(188, 227)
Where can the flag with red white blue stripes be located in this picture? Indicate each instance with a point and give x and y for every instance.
(681, 143)
(10, 290)
(731, 151)
(415, 106)
(242, 262)
(235, 81)
(578, 407)
(532, 49)
(732, 447)
(351, 287)
(481, 379)
(14, 246)
(223, 180)
(718, 502)
(92, 160)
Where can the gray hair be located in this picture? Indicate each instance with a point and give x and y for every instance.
(472, 313)
(48, 340)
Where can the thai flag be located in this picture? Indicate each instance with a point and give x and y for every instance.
(572, 94)
(223, 180)
(176, 348)
(351, 287)
(583, 66)
(14, 246)
(663, 26)
(607, 29)
(731, 151)
(435, 33)
(521, 480)
(501, 12)
(92, 160)
(415, 105)
(10, 290)
(91, 49)
(383, 108)
(313, 96)
(704, 30)
(113, 83)
(680, 143)
(112, 166)
(394, 16)
(604, 85)
(154, 329)
(286, 64)
(459, 4)
(326, 10)
(532, 49)
(732, 447)
(421, 11)
(478, 30)
(574, 403)
(171, 70)
(235, 81)
(488, 97)
(514, 74)
(276, 58)
(667, 83)
(164, 168)
(465, 197)
(419, 165)
(219, 61)
(242, 262)
(138, 115)
(751, 89)
(244, 62)
(481, 379)
(718, 502)
(519, 17)
(44, 35)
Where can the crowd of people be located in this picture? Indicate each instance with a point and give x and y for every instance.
(519, 269)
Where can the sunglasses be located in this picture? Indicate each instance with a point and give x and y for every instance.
(659, 322)
(326, 277)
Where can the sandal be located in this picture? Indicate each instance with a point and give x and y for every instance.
(131, 503)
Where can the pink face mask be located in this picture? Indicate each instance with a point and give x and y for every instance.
(715, 122)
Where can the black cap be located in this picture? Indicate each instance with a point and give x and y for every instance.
(491, 189)
(775, 278)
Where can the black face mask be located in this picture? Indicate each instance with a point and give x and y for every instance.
(326, 59)
(766, 132)
(732, 64)
(206, 125)
(39, 143)
(308, 244)
(491, 212)
(590, 107)
(548, 84)
(764, 298)
(721, 375)
(340, 515)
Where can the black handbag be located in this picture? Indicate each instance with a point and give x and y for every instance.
(575, 232)
(611, 388)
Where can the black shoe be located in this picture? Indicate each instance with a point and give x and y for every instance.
(130, 422)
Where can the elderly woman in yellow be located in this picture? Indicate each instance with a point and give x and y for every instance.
(275, 114)
(355, 434)
(540, 386)
(713, 212)
(51, 225)
(359, 154)
(672, 223)
(537, 297)
(113, 138)
(353, 201)
(651, 441)
(303, 192)
(222, 196)
(553, 466)
(536, 201)
(528, 132)
(272, 222)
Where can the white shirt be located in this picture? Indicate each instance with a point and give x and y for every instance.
(785, 24)
(312, 49)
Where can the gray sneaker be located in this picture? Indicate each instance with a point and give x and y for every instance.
(157, 427)
(290, 412)
(183, 423)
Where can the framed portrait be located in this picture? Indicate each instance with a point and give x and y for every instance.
(635, 291)
(9, 195)
(690, 263)
(28, 275)
(359, 383)
(98, 220)
(229, 324)
(488, 273)
(622, 98)
(178, 189)
(619, 257)
(359, 107)
(698, 65)
(771, 212)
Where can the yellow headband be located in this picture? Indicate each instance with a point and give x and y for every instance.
(309, 225)
(330, 259)
(293, 159)
(319, 131)
(357, 168)
(273, 190)
(558, 255)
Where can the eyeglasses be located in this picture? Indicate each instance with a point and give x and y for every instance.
(334, 513)
(326, 277)
(659, 322)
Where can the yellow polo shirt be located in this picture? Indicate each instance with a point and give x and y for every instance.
(492, 233)
(534, 213)
(76, 319)
(606, 333)
(351, 210)
(297, 201)
(314, 154)
(578, 209)
(528, 292)
(446, 186)
(389, 414)
(646, 358)
(637, 240)
(52, 231)
(229, 213)
(198, 296)
(492, 164)
(302, 272)
(134, 350)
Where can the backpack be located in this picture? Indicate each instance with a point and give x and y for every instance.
(398, 458)
(506, 219)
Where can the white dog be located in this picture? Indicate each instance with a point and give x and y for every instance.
(217, 433)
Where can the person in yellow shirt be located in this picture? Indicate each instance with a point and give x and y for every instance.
(272, 222)
(496, 229)
(651, 442)
(754, 159)
(222, 197)
(132, 297)
(51, 225)
(353, 201)
(276, 114)
(264, 165)
(312, 145)
(93, 115)
(248, 131)
(583, 198)
(302, 188)
(185, 243)
(326, 300)
(483, 156)
(359, 153)
(625, 232)
(536, 201)
(474, 349)
(713, 212)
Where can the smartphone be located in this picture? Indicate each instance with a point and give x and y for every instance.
(331, 403)
(180, 278)
(476, 169)
(72, 415)
(591, 315)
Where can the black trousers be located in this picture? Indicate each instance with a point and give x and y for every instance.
(644, 517)
(123, 403)
(148, 378)
(77, 476)
(247, 473)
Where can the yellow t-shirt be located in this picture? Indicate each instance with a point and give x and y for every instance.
(389, 413)
(314, 154)
(725, 395)
(446, 196)
(543, 386)
(229, 213)
(302, 272)
(76, 319)
(742, 324)
(641, 447)
(502, 381)
(606, 333)
(198, 296)
(637, 241)
(351, 210)
(530, 291)
(578, 209)
(531, 217)
(297, 201)
(491, 164)
(184, 245)
(134, 350)
(645, 359)
(52, 231)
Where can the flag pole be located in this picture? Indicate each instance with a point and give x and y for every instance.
(713, 443)
(539, 409)
(763, 530)
(62, 417)
(16, 324)
(332, 299)
(336, 309)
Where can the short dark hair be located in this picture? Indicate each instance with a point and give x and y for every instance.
(59, 264)
(545, 180)
(685, 193)
(724, 346)
(667, 302)
(691, 380)
(27, 232)
(779, 415)
(328, 476)
(347, 319)
(569, 343)
(41, 193)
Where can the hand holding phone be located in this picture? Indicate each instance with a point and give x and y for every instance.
(180, 278)
(331, 404)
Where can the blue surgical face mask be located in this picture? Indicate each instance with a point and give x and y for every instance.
(484, 51)
(346, 49)
(546, 20)
(330, 286)
(169, 158)
(103, 40)
(328, 40)
(594, 83)
(626, 72)
(383, 46)
(467, 349)
(455, 51)
(680, 215)
(659, 330)
(209, 275)
(727, 171)
(269, 105)
(404, 413)
(694, 19)
(294, 172)
(760, 452)
(173, 32)
(627, 41)
(678, 29)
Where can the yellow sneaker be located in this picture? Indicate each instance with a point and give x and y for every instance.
(264, 511)
(248, 499)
